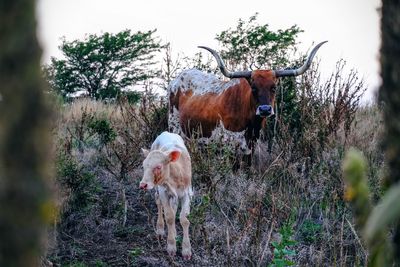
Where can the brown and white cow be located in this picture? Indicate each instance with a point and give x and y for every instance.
(167, 168)
(200, 100)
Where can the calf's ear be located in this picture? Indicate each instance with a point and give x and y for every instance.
(174, 155)
(145, 152)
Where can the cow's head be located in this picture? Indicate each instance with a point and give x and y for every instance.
(263, 82)
(156, 167)
(263, 87)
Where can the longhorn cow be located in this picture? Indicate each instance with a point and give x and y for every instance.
(201, 101)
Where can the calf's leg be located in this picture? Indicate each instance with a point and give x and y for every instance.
(186, 247)
(170, 206)
(160, 219)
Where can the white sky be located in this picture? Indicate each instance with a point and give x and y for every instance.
(350, 26)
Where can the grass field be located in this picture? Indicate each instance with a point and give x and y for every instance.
(287, 208)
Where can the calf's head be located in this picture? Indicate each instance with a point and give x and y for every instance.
(156, 167)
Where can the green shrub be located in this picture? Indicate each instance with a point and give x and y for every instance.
(134, 253)
(132, 97)
(198, 213)
(281, 248)
(310, 231)
(78, 181)
(102, 127)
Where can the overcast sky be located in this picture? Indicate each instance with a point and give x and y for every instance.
(350, 26)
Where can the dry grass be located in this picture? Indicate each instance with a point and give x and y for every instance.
(235, 217)
(72, 111)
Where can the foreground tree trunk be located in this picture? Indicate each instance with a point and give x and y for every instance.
(390, 95)
(25, 204)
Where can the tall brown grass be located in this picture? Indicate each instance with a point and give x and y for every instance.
(295, 186)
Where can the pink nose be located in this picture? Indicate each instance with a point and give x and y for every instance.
(143, 186)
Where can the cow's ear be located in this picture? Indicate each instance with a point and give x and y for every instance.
(174, 155)
(145, 152)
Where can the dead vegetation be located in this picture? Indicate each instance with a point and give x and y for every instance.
(288, 208)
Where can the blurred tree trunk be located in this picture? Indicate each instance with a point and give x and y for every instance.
(25, 203)
(390, 94)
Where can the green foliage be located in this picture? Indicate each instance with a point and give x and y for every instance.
(132, 97)
(78, 129)
(251, 44)
(179, 240)
(288, 111)
(310, 231)
(374, 224)
(102, 127)
(383, 215)
(211, 162)
(198, 212)
(357, 190)
(90, 129)
(198, 62)
(304, 108)
(127, 231)
(103, 65)
(134, 253)
(80, 182)
(310, 112)
(281, 248)
(100, 263)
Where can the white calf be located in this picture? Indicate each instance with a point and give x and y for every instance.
(167, 167)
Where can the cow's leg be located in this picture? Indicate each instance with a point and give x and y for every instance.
(170, 205)
(246, 158)
(186, 247)
(160, 219)
(251, 135)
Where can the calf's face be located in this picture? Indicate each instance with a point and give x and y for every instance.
(156, 167)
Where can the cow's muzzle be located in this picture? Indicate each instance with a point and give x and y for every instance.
(265, 110)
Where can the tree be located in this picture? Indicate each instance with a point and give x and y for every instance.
(251, 45)
(25, 203)
(103, 66)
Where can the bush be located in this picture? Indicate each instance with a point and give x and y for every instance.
(79, 182)
(132, 97)
(310, 231)
(282, 253)
(103, 129)
(311, 112)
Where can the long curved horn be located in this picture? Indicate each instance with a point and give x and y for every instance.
(221, 65)
(302, 69)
